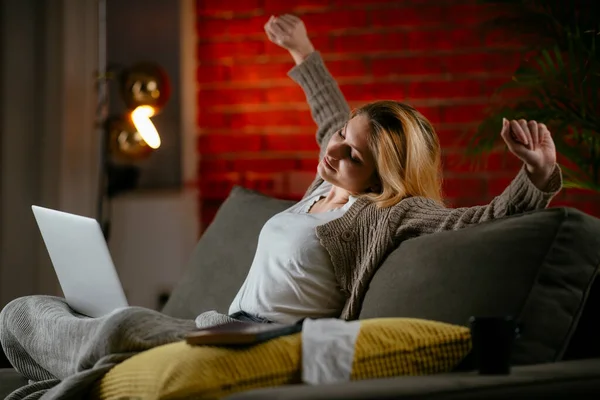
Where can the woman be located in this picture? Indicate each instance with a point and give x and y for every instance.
(378, 184)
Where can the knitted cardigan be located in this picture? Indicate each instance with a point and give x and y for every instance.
(359, 241)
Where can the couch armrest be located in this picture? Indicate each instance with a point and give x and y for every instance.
(556, 380)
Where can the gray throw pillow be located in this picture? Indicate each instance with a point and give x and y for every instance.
(221, 260)
(538, 267)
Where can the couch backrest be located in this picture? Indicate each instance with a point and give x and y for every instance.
(537, 267)
(221, 260)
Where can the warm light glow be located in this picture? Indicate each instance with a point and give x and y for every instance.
(141, 119)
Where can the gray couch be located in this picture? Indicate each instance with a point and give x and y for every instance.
(540, 267)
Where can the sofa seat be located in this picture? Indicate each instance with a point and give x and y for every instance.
(561, 380)
(10, 380)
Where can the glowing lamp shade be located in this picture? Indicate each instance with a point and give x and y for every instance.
(141, 120)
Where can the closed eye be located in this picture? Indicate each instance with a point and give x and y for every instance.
(353, 158)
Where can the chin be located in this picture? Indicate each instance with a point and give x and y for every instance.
(322, 171)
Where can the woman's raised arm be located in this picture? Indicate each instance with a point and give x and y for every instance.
(328, 107)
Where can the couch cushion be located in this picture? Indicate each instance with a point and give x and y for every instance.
(537, 266)
(222, 258)
(384, 347)
(563, 380)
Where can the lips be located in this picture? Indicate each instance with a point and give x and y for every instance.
(327, 164)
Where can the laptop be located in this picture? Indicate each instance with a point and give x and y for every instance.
(82, 262)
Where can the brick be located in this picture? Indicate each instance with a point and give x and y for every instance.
(347, 68)
(492, 162)
(464, 63)
(366, 3)
(228, 143)
(497, 185)
(247, 26)
(442, 39)
(277, 6)
(298, 182)
(414, 65)
(271, 118)
(290, 143)
(284, 94)
(454, 137)
(217, 50)
(464, 187)
(444, 89)
(462, 113)
(373, 91)
(212, 73)
(457, 162)
(218, 185)
(212, 28)
(370, 42)
(506, 61)
(340, 20)
(264, 165)
(501, 39)
(309, 164)
(267, 183)
(467, 14)
(210, 97)
(433, 114)
(207, 7)
(490, 86)
(408, 17)
(211, 119)
(322, 43)
(214, 166)
(259, 72)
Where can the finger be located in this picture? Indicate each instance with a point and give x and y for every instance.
(270, 33)
(291, 17)
(519, 133)
(535, 136)
(505, 132)
(525, 127)
(288, 22)
(545, 134)
(278, 29)
(267, 26)
(507, 135)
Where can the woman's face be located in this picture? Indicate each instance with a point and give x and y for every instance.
(348, 162)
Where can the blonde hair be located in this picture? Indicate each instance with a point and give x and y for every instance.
(406, 151)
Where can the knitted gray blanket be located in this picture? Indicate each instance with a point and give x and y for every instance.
(63, 353)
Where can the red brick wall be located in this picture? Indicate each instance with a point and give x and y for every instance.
(255, 129)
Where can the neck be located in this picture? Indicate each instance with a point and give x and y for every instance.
(337, 195)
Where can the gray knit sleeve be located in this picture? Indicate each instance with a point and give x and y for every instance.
(329, 109)
(418, 215)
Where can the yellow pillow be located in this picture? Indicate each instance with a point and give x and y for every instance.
(384, 347)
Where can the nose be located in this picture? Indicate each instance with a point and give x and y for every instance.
(334, 151)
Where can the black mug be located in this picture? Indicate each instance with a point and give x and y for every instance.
(492, 340)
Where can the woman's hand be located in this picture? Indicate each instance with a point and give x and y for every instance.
(289, 32)
(533, 144)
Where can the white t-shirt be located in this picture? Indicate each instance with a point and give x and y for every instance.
(292, 276)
